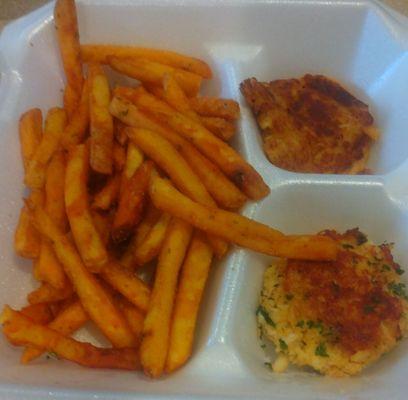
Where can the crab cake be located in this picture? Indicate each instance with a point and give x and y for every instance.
(311, 124)
(336, 317)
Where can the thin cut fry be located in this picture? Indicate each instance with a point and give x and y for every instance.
(70, 100)
(153, 73)
(48, 294)
(68, 320)
(134, 159)
(238, 229)
(156, 328)
(220, 127)
(102, 223)
(54, 126)
(101, 54)
(21, 331)
(39, 313)
(193, 277)
(108, 195)
(30, 130)
(215, 107)
(101, 125)
(86, 237)
(119, 133)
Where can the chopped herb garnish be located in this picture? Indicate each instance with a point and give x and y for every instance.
(282, 344)
(300, 323)
(398, 289)
(289, 296)
(321, 350)
(261, 311)
(347, 246)
(399, 270)
(385, 267)
(361, 238)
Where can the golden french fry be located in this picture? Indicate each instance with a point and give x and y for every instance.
(119, 132)
(101, 54)
(77, 127)
(150, 247)
(48, 294)
(70, 100)
(39, 313)
(119, 156)
(101, 123)
(233, 165)
(134, 159)
(220, 127)
(225, 193)
(86, 237)
(108, 195)
(30, 131)
(193, 277)
(66, 24)
(238, 229)
(21, 331)
(156, 327)
(152, 72)
(102, 223)
(128, 284)
(54, 126)
(215, 107)
(95, 300)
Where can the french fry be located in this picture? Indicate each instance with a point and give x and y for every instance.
(156, 327)
(119, 157)
(48, 294)
(30, 131)
(101, 122)
(67, 321)
(131, 203)
(95, 300)
(193, 277)
(54, 126)
(102, 223)
(66, 24)
(220, 127)
(40, 313)
(108, 195)
(215, 107)
(134, 159)
(150, 247)
(152, 72)
(226, 194)
(21, 331)
(119, 132)
(238, 229)
(230, 162)
(128, 284)
(70, 100)
(77, 127)
(101, 54)
(86, 237)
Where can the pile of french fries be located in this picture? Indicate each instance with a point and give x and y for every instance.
(124, 178)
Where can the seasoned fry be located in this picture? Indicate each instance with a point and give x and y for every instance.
(131, 203)
(86, 237)
(54, 126)
(108, 195)
(68, 320)
(119, 132)
(153, 72)
(150, 247)
(39, 313)
(101, 54)
(77, 127)
(238, 170)
(220, 127)
(156, 328)
(102, 223)
(66, 24)
(48, 294)
(221, 189)
(30, 131)
(193, 277)
(21, 331)
(134, 159)
(128, 284)
(215, 107)
(119, 157)
(101, 123)
(70, 100)
(95, 300)
(238, 229)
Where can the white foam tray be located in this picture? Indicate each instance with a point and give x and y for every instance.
(361, 43)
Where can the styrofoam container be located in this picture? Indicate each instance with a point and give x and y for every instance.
(360, 43)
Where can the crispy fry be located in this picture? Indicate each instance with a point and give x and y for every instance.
(134, 159)
(226, 194)
(54, 125)
(119, 132)
(101, 123)
(220, 127)
(131, 203)
(48, 294)
(108, 195)
(128, 284)
(153, 72)
(150, 247)
(66, 24)
(193, 277)
(70, 100)
(94, 299)
(21, 331)
(215, 107)
(238, 170)
(40, 313)
(101, 54)
(68, 320)
(30, 130)
(86, 236)
(156, 327)
(238, 229)
(119, 156)
(77, 127)
(102, 223)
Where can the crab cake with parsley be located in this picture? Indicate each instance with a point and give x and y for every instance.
(336, 317)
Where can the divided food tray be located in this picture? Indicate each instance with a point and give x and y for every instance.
(360, 43)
